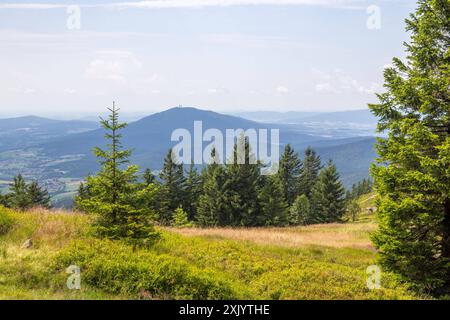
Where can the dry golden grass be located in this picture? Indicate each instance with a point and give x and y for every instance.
(354, 235)
(54, 227)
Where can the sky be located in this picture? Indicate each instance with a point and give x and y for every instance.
(66, 57)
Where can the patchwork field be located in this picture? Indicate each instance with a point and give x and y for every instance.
(316, 262)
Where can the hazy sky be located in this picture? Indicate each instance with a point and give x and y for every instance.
(224, 55)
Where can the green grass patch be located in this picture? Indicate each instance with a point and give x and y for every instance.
(178, 266)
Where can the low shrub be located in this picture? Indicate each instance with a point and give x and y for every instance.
(6, 221)
(114, 267)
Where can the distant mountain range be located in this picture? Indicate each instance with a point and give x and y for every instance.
(363, 116)
(28, 131)
(274, 116)
(52, 149)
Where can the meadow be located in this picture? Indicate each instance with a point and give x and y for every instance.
(307, 262)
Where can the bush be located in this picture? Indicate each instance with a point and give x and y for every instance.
(6, 221)
(115, 268)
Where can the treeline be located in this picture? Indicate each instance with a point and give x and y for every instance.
(361, 188)
(303, 191)
(23, 195)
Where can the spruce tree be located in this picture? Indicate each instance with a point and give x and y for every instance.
(310, 172)
(38, 195)
(19, 197)
(148, 177)
(173, 187)
(327, 200)
(412, 177)
(273, 207)
(241, 187)
(193, 191)
(210, 209)
(114, 193)
(288, 174)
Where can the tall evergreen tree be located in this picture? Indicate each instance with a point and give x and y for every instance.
(173, 187)
(38, 195)
(193, 191)
(114, 193)
(241, 187)
(210, 210)
(272, 204)
(288, 174)
(413, 176)
(19, 197)
(148, 177)
(310, 172)
(327, 200)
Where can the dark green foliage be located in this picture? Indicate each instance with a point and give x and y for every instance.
(241, 187)
(359, 189)
(19, 197)
(412, 177)
(82, 194)
(288, 174)
(24, 196)
(193, 191)
(148, 177)
(210, 210)
(273, 207)
(3, 200)
(327, 200)
(173, 187)
(309, 173)
(113, 195)
(38, 195)
(237, 195)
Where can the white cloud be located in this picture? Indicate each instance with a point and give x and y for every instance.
(282, 89)
(338, 82)
(112, 65)
(104, 70)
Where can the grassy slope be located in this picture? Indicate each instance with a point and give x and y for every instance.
(317, 262)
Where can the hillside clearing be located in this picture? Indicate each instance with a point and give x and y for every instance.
(317, 262)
